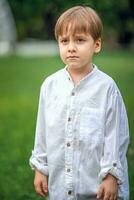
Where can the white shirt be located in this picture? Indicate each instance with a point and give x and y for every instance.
(82, 135)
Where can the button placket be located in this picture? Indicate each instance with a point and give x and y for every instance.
(69, 145)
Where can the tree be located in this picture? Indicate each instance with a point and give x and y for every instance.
(36, 18)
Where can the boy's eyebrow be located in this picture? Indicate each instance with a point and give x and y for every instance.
(63, 37)
(76, 35)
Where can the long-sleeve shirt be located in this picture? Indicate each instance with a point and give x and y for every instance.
(82, 135)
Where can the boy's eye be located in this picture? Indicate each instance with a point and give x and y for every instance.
(64, 41)
(80, 40)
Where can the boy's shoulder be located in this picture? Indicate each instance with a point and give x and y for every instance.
(53, 78)
(107, 81)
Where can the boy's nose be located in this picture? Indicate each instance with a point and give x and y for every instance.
(71, 47)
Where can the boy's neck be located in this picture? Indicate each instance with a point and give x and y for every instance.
(80, 73)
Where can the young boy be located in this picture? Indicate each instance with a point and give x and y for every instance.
(82, 131)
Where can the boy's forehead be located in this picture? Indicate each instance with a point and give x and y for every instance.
(73, 29)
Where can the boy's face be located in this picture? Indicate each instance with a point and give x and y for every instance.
(77, 51)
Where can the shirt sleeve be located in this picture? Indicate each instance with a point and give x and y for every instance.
(38, 159)
(116, 139)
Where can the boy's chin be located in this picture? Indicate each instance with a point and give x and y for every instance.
(73, 66)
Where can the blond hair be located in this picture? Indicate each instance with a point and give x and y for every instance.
(79, 19)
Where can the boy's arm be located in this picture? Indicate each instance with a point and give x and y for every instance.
(38, 160)
(116, 139)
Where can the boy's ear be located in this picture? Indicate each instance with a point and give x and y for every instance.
(97, 45)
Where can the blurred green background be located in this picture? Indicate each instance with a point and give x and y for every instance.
(32, 17)
(21, 78)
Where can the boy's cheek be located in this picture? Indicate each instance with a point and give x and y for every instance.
(63, 57)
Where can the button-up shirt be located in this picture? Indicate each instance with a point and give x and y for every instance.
(82, 135)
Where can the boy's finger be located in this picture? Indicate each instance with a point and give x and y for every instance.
(111, 198)
(115, 197)
(107, 196)
(44, 187)
(39, 191)
(100, 193)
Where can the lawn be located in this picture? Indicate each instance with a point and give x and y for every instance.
(20, 81)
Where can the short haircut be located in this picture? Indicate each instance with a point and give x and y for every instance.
(79, 19)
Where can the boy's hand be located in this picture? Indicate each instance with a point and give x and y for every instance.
(108, 189)
(40, 183)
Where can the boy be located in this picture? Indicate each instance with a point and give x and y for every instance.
(82, 129)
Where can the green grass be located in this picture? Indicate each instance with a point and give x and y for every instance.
(20, 81)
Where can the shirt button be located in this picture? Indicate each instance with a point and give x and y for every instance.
(69, 192)
(69, 119)
(68, 144)
(73, 93)
(114, 164)
(68, 170)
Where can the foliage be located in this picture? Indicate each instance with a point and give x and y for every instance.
(36, 18)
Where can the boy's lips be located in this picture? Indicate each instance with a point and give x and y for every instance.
(72, 57)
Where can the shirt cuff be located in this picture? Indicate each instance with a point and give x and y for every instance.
(113, 170)
(36, 164)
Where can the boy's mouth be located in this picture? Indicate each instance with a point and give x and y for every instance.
(72, 57)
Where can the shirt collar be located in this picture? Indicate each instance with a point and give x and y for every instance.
(89, 75)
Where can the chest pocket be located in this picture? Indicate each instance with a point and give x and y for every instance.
(90, 124)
